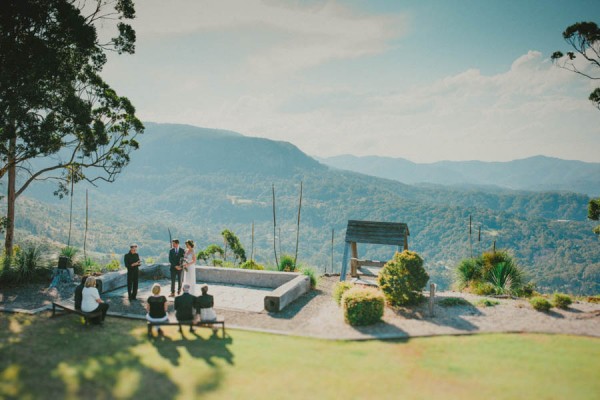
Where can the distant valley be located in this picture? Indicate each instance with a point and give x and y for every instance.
(197, 182)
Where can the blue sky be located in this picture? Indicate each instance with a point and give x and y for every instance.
(422, 80)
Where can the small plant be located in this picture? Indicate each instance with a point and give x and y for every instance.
(403, 278)
(339, 290)
(487, 303)
(217, 263)
(593, 299)
(90, 266)
(286, 263)
(528, 290)
(250, 264)
(363, 306)
(149, 260)
(113, 265)
(69, 252)
(562, 301)
(453, 302)
(467, 271)
(539, 303)
(312, 275)
(27, 261)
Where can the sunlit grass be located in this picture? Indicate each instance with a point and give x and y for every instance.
(60, 358)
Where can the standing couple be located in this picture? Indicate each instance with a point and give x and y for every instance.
(182, 262)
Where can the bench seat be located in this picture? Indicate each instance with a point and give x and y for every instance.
(68, 307)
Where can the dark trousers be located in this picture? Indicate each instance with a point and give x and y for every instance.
(132, 282)
(104, 308)
(175, 275)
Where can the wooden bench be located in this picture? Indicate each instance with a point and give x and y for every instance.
(68, 307)
(208, 324)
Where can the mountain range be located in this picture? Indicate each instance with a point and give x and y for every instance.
(195, 182)
(537, 173)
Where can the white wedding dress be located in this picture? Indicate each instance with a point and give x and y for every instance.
(189, 275)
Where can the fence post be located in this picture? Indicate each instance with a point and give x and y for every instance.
(431, 298)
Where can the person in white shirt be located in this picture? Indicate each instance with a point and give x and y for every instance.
(91, 300)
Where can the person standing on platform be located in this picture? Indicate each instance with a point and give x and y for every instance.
(176, 259)
(132, 263)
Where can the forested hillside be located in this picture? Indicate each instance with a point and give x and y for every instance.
(197, 182)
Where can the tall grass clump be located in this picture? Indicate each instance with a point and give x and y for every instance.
(490, 273)
(312, 275)
(403, 278)
(25, 266)
(250, 264)
(363, 306)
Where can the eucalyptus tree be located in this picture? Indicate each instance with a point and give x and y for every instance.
(59, 120)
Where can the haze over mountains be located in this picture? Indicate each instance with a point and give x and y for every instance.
(539, 173)
(197, 182)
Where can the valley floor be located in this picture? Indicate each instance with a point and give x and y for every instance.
(317, 315)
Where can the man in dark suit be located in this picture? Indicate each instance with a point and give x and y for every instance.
(132, 263)
(184, 306)
(79, 293)
(175, 258)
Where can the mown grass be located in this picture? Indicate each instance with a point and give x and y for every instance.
(60, 358)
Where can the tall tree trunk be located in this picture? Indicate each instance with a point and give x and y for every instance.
(10, 199)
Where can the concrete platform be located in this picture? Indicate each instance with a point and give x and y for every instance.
(227, 296)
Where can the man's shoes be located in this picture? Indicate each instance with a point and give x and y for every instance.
(172, 294)
(192, 330)
(178, 292)
(160, 332)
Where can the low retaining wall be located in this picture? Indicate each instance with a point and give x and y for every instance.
(287, 286)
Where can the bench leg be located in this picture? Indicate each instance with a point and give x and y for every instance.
(149, 331)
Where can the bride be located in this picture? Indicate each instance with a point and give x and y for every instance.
(189, 261)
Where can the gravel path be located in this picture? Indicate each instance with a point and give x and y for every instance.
(317, 315)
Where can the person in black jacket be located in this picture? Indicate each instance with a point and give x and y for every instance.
(175, 258)
(79, 293)
(184, 306)
(132, 263)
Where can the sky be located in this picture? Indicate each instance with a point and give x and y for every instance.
(421, 80)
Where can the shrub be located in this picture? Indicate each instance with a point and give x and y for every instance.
(528, 290)
(286, 263)
(149, 260)
(487, 303)
(312, 275)
(90, 266)
(497, 270)
(113, 265)
(540, 304)
(217, 263)
(363, 306)
(504, 275)
(251, 265)
(403, 278)
(562, 300)
(453, 302)
(28, 265)
(339, 290)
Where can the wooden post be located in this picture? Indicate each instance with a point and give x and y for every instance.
(332, 232)
(86, 224)
(431, 298)
(274, 229)
(354, 250)
(298, 227)
(252, 247)
(71, 210)
(344, 262)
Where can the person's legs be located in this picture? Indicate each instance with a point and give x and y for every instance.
(173, 276)
(129, 282)
(104, 309)
(134, 283)
(179, 282)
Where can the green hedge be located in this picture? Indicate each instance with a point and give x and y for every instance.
(363, 306)
(562, 300)
(339, 290)
(540, 304)
(403, 278)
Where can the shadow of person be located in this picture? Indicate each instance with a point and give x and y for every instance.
(208, 349)
(167, 348)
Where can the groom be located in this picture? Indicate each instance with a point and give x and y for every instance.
(175, 257)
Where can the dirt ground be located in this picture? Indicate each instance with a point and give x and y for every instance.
(317, 315)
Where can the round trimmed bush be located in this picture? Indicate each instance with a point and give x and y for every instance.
(540, 303)
(562, 300)
(363, 306)
(403, 278)
(339, 290)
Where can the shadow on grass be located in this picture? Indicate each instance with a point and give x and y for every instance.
(382, 330)
(43, 357)
(214, 347)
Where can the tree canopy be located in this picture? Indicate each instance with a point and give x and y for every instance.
(58, 119)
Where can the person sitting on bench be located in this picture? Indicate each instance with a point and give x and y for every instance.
(157, 308)
(184, 306)
(91, 301)
(204, 306)
(79, 293)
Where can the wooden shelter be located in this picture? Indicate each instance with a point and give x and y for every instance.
(387, 233)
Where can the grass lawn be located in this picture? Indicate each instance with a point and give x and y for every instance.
(59, 358)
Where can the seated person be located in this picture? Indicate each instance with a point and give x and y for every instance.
(79, 293)
(204, 305)
(184, 306)
(91, 301)
(157, 308)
